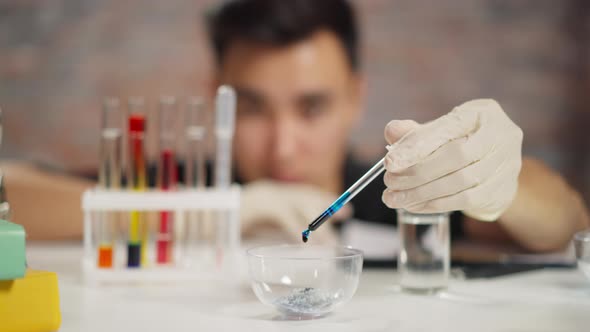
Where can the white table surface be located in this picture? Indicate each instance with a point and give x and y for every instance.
(547, 300)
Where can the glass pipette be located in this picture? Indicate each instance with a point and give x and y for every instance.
(359, 185)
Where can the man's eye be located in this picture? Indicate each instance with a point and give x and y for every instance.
(313, 109)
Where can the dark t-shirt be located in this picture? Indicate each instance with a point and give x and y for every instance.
(367, 204)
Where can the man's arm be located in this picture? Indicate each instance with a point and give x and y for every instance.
(45, 203)
(544, 203)
(470, 160)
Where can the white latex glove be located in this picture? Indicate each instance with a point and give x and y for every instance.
(289, 208)
(466, 160)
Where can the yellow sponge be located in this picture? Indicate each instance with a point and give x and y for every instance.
(30, 304)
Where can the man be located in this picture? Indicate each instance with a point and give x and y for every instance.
(295, 66)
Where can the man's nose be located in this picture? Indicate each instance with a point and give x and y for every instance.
(285, 140)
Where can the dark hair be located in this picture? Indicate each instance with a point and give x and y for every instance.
(282, 22)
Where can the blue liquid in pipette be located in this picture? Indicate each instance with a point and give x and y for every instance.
(305, 235)
(327, 214)
(359, 185)
(338, 203)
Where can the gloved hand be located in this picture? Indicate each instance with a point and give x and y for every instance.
(466, 160)
(289, 208)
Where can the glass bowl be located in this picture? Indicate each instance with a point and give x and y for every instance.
(304, 281)
(582, 246)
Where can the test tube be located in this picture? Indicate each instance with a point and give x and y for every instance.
(4, 206)
(1, 125)
(196, 119)
(197, 222)
(109, 177)
(136, 180)
(167, 178)
(225, 116)
(225, 113)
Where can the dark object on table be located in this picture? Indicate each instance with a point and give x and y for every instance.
(471, 270)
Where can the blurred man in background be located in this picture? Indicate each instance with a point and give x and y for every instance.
(297, 70)
(296, 67)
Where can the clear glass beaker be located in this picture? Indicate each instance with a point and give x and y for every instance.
(424, 257)
(582, 248)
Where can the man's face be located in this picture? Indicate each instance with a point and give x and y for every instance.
(296, 107)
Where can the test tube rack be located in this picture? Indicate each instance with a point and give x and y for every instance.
(219, 202)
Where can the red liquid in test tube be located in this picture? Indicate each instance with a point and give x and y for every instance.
(168, 179)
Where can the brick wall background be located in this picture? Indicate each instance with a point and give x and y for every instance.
(59, 57)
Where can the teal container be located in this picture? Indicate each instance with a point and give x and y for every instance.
(12, 251)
